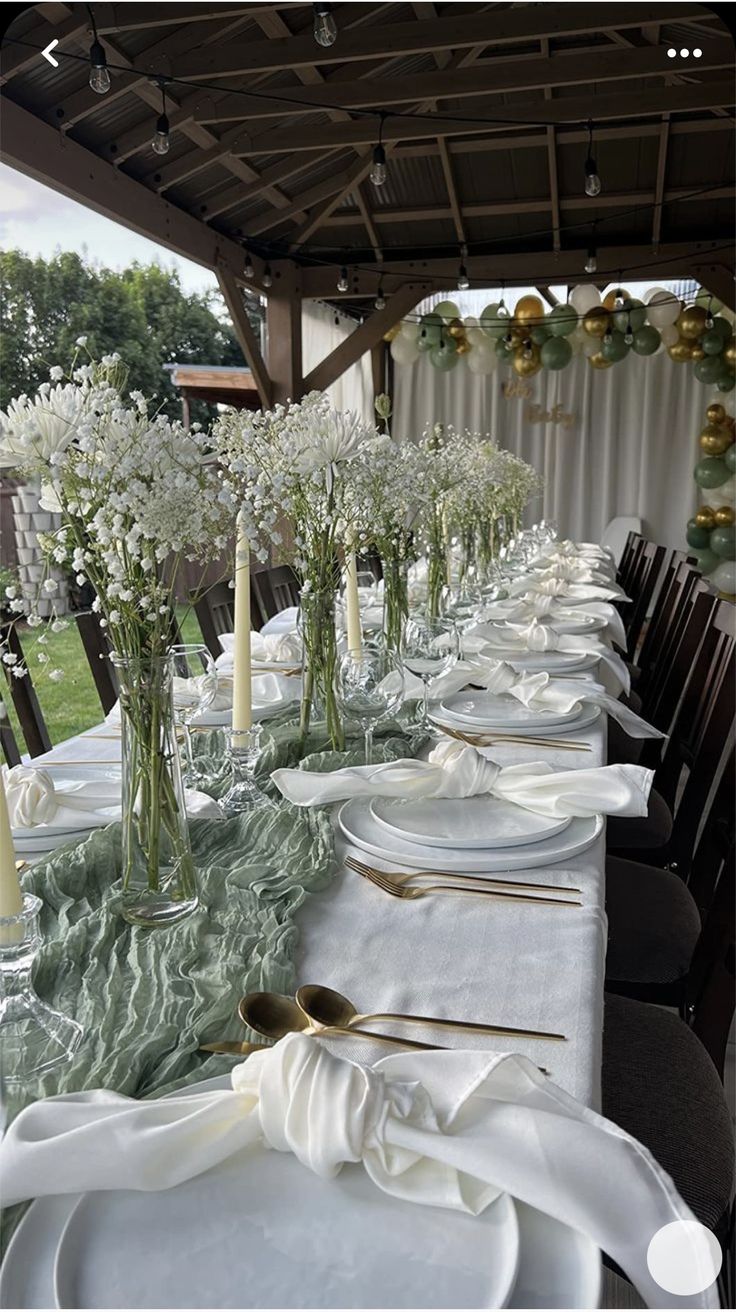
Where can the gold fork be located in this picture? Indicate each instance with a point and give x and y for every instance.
(493, 740)
(401, 877)
(410, 894)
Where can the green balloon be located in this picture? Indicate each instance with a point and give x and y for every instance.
(707, 560)
(697, 536)
(562, 320)
(722, 326)
(444, 357)
(493, 323)
(614, 348)
(447, 310)
(706, 301)
(540, 334)
(711, 471)
(646, 340)
(712, 342)
(556, 353)
(730, 459)
(430, 331)
(708, 369)
(723, 542)
(631, 310)
(726, 380)
(503, 351)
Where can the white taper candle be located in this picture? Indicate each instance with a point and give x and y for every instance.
(352, 602)
(242, 697)
(11, 897)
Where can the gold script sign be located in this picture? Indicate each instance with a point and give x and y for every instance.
(534, 413)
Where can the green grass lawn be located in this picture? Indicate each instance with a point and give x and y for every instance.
(73, 704)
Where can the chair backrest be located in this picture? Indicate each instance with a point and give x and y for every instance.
(648, 575)
(97, 651)
(215, 613)
(617, 532)
(677, 661)
(23, 695)
(275, 589)
(9, 742)
(681, 577)
(634, 544)
(371, 562)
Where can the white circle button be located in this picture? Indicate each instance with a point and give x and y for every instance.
(684, 1258)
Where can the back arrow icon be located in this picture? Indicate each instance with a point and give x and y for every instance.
(48, 55)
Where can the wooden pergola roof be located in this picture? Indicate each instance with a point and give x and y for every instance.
(218, 384)
(483, 110)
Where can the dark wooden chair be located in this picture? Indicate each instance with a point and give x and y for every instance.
(624, 574)
(9, 742)
(371, 563)
(680, 646)
(23, 695)
(275, 589)
(642, 593)
(97, 651)
(665, 628)
(214, 611)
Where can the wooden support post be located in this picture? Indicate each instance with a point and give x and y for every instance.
(378, 368)
(245, 335)
(284, 328)
(362, 339)
(186, 415)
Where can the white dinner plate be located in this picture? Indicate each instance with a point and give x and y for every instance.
(359, 827)
(554, 661)
(583, 718)
(463, 822)
(500, 711)
(44, 842)
(262, 1229)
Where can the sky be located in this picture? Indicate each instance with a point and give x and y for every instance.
(39, 221)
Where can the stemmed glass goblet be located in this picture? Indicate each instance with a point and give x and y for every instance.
(369, 685)
(195, 688)
(430, 647)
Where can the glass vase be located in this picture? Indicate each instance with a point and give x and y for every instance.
(395, 601)
(319, 663)
(159, 885)
(436, 565)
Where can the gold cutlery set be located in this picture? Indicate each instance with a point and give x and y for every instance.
(318, 1010)
(399, 884)
(491, 739)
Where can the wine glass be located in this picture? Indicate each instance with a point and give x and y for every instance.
(429, 648)
(195, 688)
(370, 686)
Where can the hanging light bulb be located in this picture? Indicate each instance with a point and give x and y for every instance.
(325, 27)
(99, 76)
(267, 278)
(608, 336)
(528, 351)
(380, 301)
(592, 181)
(342, 282)
(248, 270)
(629, 334)
(463, 281)
(709, 315)
(378, 172)
(591, 264)
(161, 139)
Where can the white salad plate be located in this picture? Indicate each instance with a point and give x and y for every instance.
(360, 827)
(582, 719)
(501, 711)
(463, 822)
(554, 661)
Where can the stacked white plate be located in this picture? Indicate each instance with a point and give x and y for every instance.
(556, 662)
(261, 1229)
(45, 837)
(562, 621)
(488, 712)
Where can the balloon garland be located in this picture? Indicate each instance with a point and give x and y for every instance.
(711, 533)
(604, 331)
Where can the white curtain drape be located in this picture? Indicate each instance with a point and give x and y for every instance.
(630, 449)
(353, 390)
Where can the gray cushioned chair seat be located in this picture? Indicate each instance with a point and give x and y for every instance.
(632, 700)
(653, 924)
(661, 1086)
(622, 750)
(646, 831)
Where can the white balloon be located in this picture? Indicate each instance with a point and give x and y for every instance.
(476, 336)
(724, 577)
(577, 340)
(584, 297)
(409, 329)
(727, 492)
(404, 350)
(481, 360)
(591, 345)
(470, 321)
(663, 309)
(653, 291)
(669, 334)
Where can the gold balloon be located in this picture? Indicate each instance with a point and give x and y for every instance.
(697, 352)
(616, 293)
(517, 338)
(599, 361)
(705, 517)
(715, 414)
(462, 347)
(725, 516)
(596, 321)
(392, 332)
(529, 307)
(526, 367)
(456, 328)
(715, 439)
(680, 351)
(691, 323)
(730, 351)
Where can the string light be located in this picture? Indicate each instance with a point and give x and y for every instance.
(608, 336)
(248, 270)
(378, 171)
(592, 181)
(463, 281)
(267, 278)
(629, 334)
(709, 314)
(325, 27)
(99, 74)
(591, 263)
(161, 139)
(380, 301)
(528, 351)
(342, 282)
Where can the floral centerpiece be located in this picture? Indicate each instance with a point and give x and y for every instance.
(137, 495)
(290, 465)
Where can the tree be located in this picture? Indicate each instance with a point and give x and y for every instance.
(141, 312)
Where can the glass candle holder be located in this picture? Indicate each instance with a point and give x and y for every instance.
(33, 1036)
(244, 793)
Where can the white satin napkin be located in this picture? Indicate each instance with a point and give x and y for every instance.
(187, 693)
(269, 692)
(537, 637)
(35, 800)
(567, 550)
(454, 1129)
(536, 605)
(286, 646)
(455, 769)
(551, 586)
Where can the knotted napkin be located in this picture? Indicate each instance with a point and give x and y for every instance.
(452, 1128)
(539, 606)
(536, 637)
(551, 586)
(455, 769)
(35, 799)
(263, 648)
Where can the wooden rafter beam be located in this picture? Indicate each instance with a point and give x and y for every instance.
(659, 184)
(717, 278)
(15, 59)
(548, 295)
(452, 192)
(527, 23)
(136, 16)
(368, 224)
(554, 190)
(249, 344)
(566, 110)
(363, 338)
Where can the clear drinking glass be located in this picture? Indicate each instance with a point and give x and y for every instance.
(370, 687)
(195, 688)
(430, 647)
(33, 1036)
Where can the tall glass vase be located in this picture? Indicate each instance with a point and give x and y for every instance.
(159, 886)
(319, 662)
(395, 601)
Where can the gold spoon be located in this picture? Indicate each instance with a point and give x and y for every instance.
(273, 1016)
(327, 1007)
